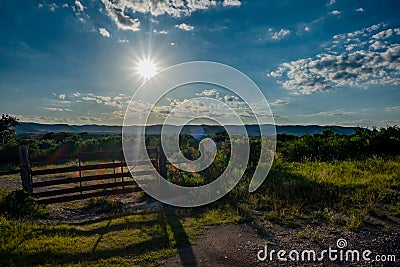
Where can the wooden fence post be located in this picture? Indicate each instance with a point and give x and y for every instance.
(162, 163)
(80, 174)
(122, 172)
(25, 169)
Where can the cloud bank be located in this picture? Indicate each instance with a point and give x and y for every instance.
(124, 12)
(370, 56)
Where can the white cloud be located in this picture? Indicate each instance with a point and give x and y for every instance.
(57, 109)
(184, 27)
(88, 98)
(331, 2)
(63, 119)
(104, 32)
(173, 102)
(186, 108)
(194, 5)
(160, 32)
(124, 12)
(209, 93)
(104, 98)
(307, 29)
(365, 61)
(377, 45)
(279, 102)
(124, 41)
(76, 94)
(116, 10)
(52, 7)
(174, 8)
(62, 96)
(281, 34)
(119, 97)
(360, 9)
(65, 5)
(79, 6)
(335, 12)
(230, 98)
(395, 108)
(231, 3)
(117, 101)
(383, 34)
(330, 113)
(337, 112)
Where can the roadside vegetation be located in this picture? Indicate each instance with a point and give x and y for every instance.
(342, 181)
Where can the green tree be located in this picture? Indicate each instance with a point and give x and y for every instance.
(7, 131)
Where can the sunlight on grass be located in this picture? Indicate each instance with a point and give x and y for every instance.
(142, 238)
(341, 193)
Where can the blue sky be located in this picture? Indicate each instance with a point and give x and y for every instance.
(317, 62)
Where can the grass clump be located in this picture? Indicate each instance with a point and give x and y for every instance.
(103, 205)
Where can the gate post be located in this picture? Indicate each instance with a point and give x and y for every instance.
(25, 168)
(162, 163)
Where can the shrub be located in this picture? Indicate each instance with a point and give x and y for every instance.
(19, 205)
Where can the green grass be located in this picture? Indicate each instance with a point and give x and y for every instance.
(339, 194)
(138, 239)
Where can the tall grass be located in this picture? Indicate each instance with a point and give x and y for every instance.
(339, 192)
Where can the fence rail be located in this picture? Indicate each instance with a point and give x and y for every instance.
(10, 172)
(61, 199)
(81, 189)
(86, 179)
(43, 192)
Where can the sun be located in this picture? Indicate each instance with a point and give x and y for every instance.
(146, 68)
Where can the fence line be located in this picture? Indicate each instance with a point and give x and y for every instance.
(38, 189)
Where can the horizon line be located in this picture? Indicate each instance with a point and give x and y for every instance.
(203, 124)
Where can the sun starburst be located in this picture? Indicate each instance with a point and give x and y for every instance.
(146, 68)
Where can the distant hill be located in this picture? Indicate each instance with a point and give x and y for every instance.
(30, 128)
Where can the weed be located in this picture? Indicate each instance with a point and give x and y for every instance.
(103, 204)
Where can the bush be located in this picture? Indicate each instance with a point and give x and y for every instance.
(103, 204)
(19, 205)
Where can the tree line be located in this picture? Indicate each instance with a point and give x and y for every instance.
(329, 145)
(325, 146)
